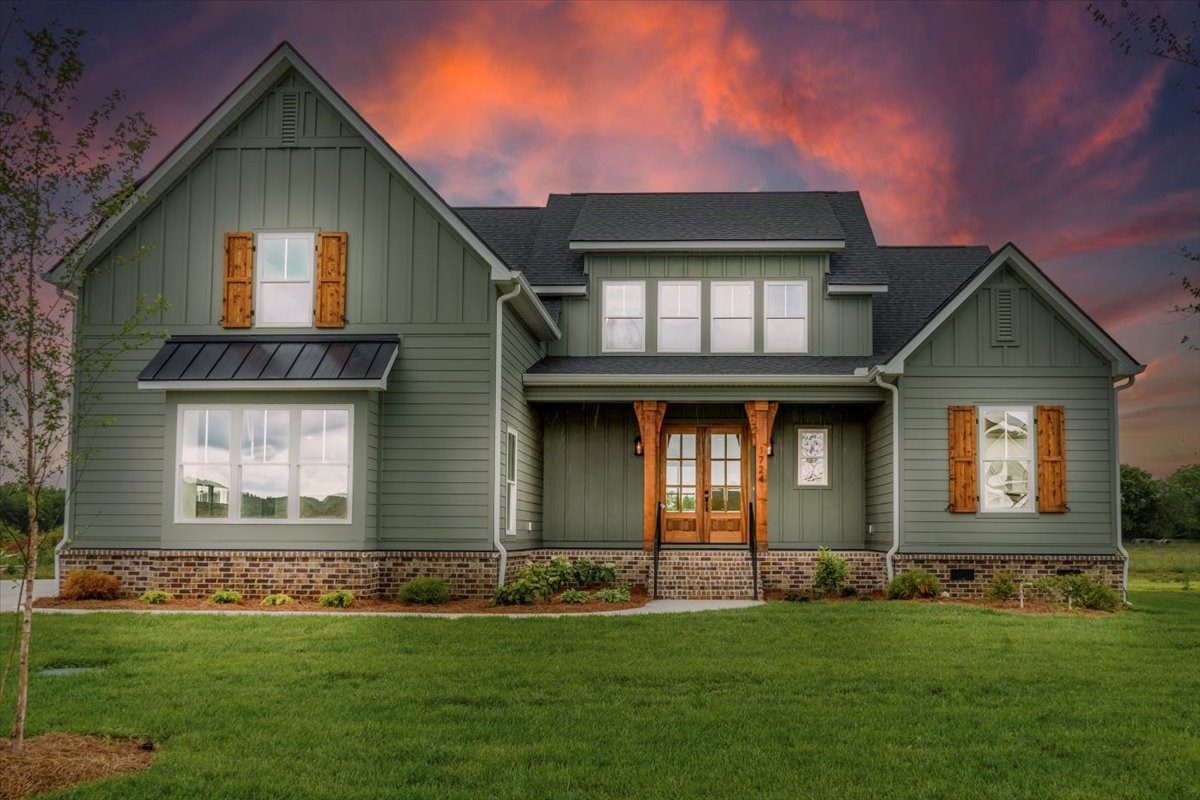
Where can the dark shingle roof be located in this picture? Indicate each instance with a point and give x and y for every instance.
(508, 231)
(266, 358)
(861, 261)
(705, 216)
(700, 365)
(920, 281)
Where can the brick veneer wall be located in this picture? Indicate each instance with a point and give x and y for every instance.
(1110, 568)
(688, 574)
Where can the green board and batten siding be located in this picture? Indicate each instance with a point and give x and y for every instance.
(1049, 365)
(838, 326)
(408, 273)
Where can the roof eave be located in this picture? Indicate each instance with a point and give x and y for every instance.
(547, 379)
(723, 245)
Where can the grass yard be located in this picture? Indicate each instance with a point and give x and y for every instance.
(814, 700)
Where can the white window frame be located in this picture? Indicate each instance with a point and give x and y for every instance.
(294, 463)
(981, 466)
(713, 344)
(767, 316)
(605, 316)
(512, 450)
(259, 272)
(697, 317)
(822, 429)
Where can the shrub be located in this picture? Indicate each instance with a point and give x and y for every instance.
(534, 582)
(574, 596)
(914, 583)
(424, 591)
(341, 598)
(586, 573)
(795, 596)
(1002, 586)
(156, 597)
(830, 572)
(227, 597)
(276, 600)
(90, 584)
(1086, 591)
(614, 594)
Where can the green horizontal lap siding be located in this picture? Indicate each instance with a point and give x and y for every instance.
(810, 516)
(120, 482)
(403, 264)
(371, 468)
(836, 325)
(436, 445)
(521, 350)
(1047, 365)
(593, 481)
(357, 534)
(879, 483)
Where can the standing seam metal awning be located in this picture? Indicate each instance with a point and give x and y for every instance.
(299, 361)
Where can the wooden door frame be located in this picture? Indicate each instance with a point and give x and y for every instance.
(703, 431)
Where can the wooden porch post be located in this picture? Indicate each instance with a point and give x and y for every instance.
(761, 414)
(650, 415)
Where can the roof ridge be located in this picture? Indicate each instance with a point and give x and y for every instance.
(706, 192)
(930, 246)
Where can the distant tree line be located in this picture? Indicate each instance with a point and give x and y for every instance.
(1160, 509)
(14, 509)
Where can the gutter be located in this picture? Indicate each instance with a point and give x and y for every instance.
(517, 286)
(891, 554)
(1116, 445)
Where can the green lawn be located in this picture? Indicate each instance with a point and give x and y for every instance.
(1177, 561)
(814, 700)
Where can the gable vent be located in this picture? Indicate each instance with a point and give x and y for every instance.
(289, 118)
(1004, 316)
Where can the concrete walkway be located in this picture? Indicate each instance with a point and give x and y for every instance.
(10, 592)
(653, 607)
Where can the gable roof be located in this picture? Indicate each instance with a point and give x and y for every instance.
(260, 81)
(1010, 255)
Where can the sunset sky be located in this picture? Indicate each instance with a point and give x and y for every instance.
(963, 123)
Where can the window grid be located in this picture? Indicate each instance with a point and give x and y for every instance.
(284, 271)
(679, 316)
(732, 317)
(785, 316)
(624, 328)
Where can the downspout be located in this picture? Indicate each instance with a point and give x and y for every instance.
(496, 538)
(891, 554)
(1116, 445)
(68, 472)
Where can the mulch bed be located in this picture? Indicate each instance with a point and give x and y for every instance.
(57, 760)
(637, 598)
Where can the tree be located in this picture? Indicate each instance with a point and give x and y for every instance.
(1181, 501)
(1141, 504)
(63, 170)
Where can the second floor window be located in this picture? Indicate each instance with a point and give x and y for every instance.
(284, 295)
(733, 317)
(679, 317)
(624, 316)
(786, 317)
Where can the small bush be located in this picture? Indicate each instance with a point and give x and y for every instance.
(226, 597)
(342, 598)
(614, 594)
(1002, 586)
(1086, 591)
(90, 584)
(914, 583)
(424, 591)
(535, 582)
(796, 596)
(830, 572)
(276, 600)
(574, 596)
(586, 573)
(156, 597)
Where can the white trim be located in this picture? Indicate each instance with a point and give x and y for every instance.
(806, 318)
(235, 465)
(572, 290)
(723, 379)
(711, 244)
(864, 288)
(712, 316)
(1009, 255)
(604, 348)
(512, 447)
(699, 315)
(825, 429)
(259, 385)
(1031, 460)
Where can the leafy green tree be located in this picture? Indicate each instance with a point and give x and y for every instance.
(63, 170)
(1181, 501)
(1141, 504)
(14, 508)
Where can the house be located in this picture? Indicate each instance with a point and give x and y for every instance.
(690, 386)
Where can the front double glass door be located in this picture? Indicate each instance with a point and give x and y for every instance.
(703, 487)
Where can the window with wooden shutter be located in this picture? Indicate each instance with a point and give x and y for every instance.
(964, 487)
(331, 280)
(237, 293)
(1051, 459)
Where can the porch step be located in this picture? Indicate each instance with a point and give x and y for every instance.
(704, 575)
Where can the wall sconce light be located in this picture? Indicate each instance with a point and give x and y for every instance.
(771, 447)
(638, 450)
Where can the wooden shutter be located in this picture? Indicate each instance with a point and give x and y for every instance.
(237, 293)
(330, 309)
(964, 468)
(1051, 459)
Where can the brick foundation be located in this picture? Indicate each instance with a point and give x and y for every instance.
(1110, 568)
(683, 574)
